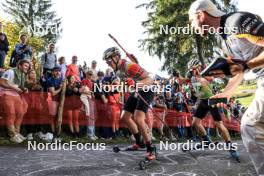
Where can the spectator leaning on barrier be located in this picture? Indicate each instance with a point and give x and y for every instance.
(87, 87)
(12, 87)
(101, 98)
(54, 85)
(114, 105)
(4, 47)
(32, 84)
(87, 92)
(73, 69)
(34, 101)
(73, 105)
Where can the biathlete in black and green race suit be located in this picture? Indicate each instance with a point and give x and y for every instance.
(203, 92)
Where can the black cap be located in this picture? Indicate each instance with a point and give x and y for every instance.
(100, 73)
(56, 68)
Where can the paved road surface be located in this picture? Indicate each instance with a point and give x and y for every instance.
(19, 161)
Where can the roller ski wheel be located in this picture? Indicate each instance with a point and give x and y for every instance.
(116, 149)
(234, 154)
(148, 159)
(142, 165)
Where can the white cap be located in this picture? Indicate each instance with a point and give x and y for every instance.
(207, 6)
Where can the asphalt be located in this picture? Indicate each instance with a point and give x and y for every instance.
(21, 161)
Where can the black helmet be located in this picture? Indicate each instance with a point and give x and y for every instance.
(175, 73)
(193, 63)
(111, 52)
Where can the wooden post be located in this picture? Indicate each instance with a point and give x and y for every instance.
(60, 108)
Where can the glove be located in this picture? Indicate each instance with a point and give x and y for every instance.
(132, 58)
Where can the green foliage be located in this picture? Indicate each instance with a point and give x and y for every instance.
(246, 101)
(245, 93)
(13, 31)
(33, 15)
(178, 48)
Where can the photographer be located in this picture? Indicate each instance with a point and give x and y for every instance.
(246, 45)
(22, 50)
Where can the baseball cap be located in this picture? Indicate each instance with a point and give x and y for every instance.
(56, 68)
(205, 5)
(94, 62)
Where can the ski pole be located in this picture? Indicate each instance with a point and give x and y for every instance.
(130, 56)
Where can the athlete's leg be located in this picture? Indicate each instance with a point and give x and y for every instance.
(127, 118)
(199, 114)
(127, 115)
(143, 104)
(197, 123)
(223, 130)
(140, 120)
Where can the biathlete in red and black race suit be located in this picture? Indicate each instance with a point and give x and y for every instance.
(134, 106)
(240, 36)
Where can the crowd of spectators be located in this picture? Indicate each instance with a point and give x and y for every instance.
(82, 82)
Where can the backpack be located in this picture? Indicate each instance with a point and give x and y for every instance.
(46, 57)
(14, 59)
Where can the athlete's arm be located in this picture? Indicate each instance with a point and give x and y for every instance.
(257, 62)
(138, 73)
(251, 28)
(231, 86)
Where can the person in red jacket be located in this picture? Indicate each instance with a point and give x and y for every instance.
(114, 102)
(73, 69)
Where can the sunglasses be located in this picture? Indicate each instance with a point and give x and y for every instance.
(108, 61)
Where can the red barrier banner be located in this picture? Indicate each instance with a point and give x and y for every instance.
(40, 108)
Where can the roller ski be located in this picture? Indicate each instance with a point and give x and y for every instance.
(134, 147)
(151, 156)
